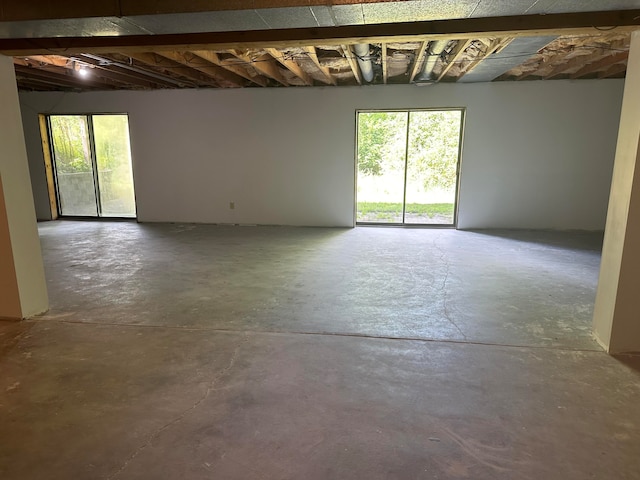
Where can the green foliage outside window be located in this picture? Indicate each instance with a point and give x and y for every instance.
(72, 147)
(433, 144)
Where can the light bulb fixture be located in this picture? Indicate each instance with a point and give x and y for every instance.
(83, 72)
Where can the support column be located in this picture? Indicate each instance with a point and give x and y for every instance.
(616, 319)
(23, 290)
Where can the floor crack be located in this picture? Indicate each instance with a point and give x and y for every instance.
(443, 289)
(210, 388)
(335, 334)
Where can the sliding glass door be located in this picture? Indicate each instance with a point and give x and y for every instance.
(408, 167)
(91, 159)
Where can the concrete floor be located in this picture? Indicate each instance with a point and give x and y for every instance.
(203, 352)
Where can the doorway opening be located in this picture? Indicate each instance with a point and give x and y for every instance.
(89, 162)
(408, 167)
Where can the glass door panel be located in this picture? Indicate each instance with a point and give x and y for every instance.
(113, 159)
(73, 165)
(92, 163)
(408, 166)
(432, 164)
(382, 143)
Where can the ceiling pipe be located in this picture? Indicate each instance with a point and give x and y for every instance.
(362, 53)
(433, 53)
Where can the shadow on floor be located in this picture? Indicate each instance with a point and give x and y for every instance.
(631, 361)
(578, 240)
(10, 334)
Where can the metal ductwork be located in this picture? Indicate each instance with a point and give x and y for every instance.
(433, 53)
(366, 67)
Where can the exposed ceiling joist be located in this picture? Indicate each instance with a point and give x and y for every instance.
(468, 53)
(313, 55)
(61, 76)
(214, 58)
(418, 60)
(453, 57)
(219, 74)
(29, 83)
(100, 68)
(613, 71)
(108, 63)
(290, 65)
(351, 58)
(385, 66)
(461, 29)
(507, 57)
(264, 64)
(494, 46)
(56, 60)
(603, 62)
(175, 68)
(126, 63)
(563, 65)
(124, 80)
(577, 56)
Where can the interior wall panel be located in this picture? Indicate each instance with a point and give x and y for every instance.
(536, 154)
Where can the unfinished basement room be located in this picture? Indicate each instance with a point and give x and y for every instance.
(319, 239)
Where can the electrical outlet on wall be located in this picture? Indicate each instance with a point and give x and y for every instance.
(232, 205)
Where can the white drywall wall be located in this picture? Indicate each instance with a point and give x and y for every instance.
(21, 243)
(536, 154)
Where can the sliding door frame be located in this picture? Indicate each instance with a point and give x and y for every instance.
(408, 111)
(46, 133)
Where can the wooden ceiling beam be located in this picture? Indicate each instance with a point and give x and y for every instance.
(576, 56)
(613, 70)
(219, 74)
(563, 66)
(93, 67)
(600, 64)
(462, 29)
(353, 63)
(109, 71)
(453, 57)
(126, 68)
(313, 55)
(264, 64)
(418, 60)
(165, 64)
(494, 46)
(214, 58)
(290, 65)
(125, 63)
(120, 79)
(384, 60)
(60, 75)
(41, 84)
(534, 71)
(57, 60)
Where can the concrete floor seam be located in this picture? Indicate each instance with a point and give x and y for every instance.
(328, 334)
